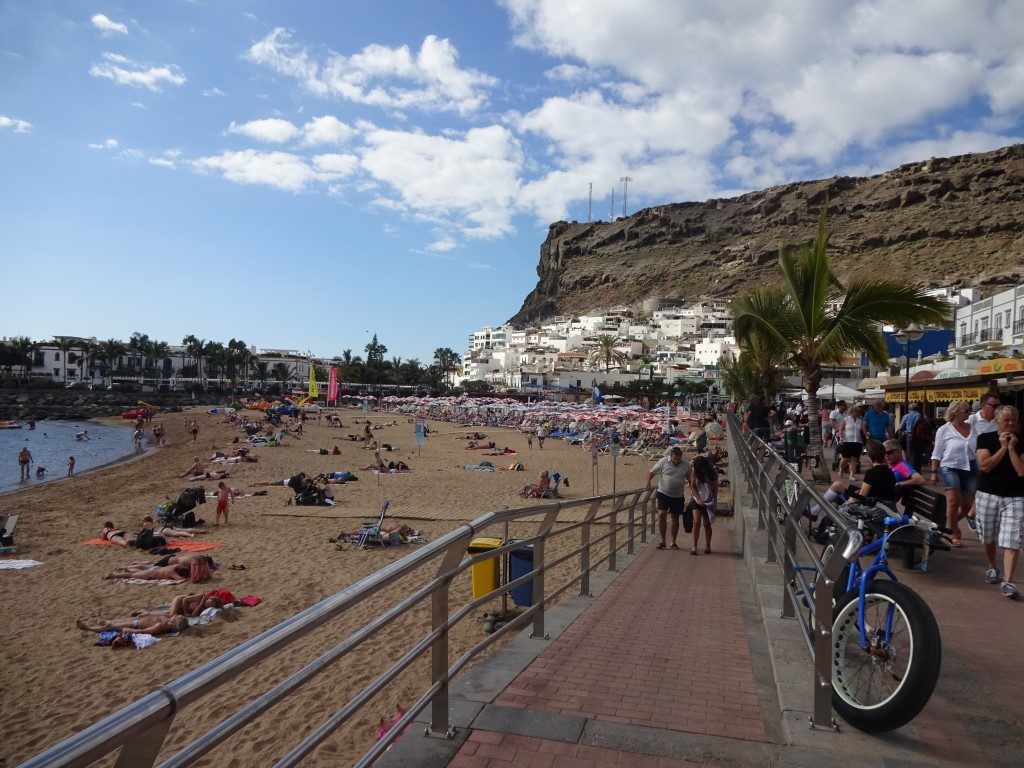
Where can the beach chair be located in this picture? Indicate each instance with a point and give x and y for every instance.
(7, 534)
(370, 532)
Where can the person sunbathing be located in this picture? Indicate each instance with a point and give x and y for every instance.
(197, 572)
(191, 605)
(377, 464)
(197, 468)
(146, 622)
(537, 490)
(118, 537)
(169, 531)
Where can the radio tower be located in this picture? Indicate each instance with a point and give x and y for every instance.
(625, 192)
(590, 202)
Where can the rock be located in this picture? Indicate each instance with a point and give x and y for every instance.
(708, 250)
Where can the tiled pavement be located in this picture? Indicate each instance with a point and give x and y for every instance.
(670, 666)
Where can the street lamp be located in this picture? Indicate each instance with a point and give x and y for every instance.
(906, 336)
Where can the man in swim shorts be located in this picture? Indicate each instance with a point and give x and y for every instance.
(223, 501)
(24, 461)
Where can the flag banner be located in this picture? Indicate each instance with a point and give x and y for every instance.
(332, 385)
(314, 391)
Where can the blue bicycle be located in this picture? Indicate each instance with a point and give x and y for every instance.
(886, 647)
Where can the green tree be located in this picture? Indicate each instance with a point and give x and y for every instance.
(159, 350)
(605, 352)
(138, 344)
(447, 360)
(816, 319)
(282, 372)
(23, 348)
(110, 352)
(375, 352)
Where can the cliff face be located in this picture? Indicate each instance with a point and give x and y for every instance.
(956, 221)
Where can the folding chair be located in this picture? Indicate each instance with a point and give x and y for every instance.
(7, 534)
(370, 532)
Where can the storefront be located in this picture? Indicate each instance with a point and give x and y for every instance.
(1003, 375)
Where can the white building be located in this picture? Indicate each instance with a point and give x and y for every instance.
(995, 324)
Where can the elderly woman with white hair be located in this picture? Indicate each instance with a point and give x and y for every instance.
(955, 461)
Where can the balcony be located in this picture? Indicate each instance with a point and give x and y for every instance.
(968, 339)
(1018, 327)
(984, 335)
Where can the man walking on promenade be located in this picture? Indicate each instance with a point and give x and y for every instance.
(877, 423)
(673, 473)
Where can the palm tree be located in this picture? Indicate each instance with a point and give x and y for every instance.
(159, 350)
(87, 352)
(282, 372)
(605, 351)
(797, 315)
(138, 344)
(448, 360)
(197, 351)
(65, 344)
(111, 351)
(262, 372)
(23, 347)
(216, 356)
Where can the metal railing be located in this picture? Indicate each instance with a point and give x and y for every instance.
(782, 497)
(139, 729)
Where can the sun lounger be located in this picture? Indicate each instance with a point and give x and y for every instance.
(370, 532)
(7, 534)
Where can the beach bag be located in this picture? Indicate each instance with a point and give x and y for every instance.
(515, 466)
(485, 464)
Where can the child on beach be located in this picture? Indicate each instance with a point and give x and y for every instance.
(223, 501)
(71, 465)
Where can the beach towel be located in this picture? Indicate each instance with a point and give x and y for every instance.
(162, 582)
(480, 467)
(502, 453)
(393, 472)
(185, 545)
(11, 565)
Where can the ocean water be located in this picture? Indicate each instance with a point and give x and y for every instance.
(52, 442)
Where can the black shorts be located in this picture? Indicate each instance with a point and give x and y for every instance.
(851, 450)
(671, 504)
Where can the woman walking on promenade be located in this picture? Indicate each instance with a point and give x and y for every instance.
(955, 461)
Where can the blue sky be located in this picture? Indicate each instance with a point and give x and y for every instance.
(306, 174)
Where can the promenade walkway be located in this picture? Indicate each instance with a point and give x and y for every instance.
(683, 660)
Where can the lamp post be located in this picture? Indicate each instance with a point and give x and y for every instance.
(906, 336)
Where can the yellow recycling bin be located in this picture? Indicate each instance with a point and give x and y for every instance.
(484, 574)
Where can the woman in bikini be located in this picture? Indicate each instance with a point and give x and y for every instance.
(197, 572)
(114, 536)
(168, 531)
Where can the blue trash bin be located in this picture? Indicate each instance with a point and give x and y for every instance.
(520, 563)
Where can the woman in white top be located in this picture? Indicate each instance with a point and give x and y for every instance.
(955, 461)
(852, 435)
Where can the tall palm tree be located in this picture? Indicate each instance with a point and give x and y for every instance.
(448, 360)
(216, 357)
(282, 372)
(87, 352)
(137, 345)
(159, 350)
(24, 347)
(111, 351)
(606, 352)
(196, 349)
(798, 316)
(261, 370)
(65, 344)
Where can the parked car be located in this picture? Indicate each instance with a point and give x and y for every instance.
(78, 385)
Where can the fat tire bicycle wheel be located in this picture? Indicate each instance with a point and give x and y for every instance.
(885, 687)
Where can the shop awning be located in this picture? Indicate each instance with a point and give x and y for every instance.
(937, 394)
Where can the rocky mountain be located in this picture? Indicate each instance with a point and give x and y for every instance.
(955, 221)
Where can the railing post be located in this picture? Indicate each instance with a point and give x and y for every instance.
(142, 751)
(788, 571)
(645, 505)
(439, 660)
(585, 550)
(538, 565)
(613, 523)
(630, 523)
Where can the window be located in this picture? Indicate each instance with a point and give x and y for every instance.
(1007, 323)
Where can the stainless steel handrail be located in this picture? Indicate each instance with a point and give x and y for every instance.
(139, 729)
(782, 498)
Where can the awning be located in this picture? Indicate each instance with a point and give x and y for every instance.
(937, 394)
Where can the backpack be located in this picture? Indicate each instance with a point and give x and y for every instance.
(923, 431)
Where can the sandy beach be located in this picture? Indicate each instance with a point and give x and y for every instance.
(55, 681)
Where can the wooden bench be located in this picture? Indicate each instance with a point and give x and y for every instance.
(927, 504)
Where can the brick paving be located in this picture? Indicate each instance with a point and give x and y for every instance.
(664, 646)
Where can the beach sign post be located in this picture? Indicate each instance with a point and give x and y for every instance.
(614, 449)
(421, 435)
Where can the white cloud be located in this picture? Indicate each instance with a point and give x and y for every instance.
(161, 161)
(325, 129)
(442, 245)
(215, 91)
(469, 180)
(271, 130)
(125, 71)
(107, 27)
(18, 126)
(957, 143)
(391, 78)
(569, 73)
(479, 265)
(281, 170)
(132, 154)
(108, 144)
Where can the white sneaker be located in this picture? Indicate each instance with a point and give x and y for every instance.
(1009, 589)
(992, 576)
